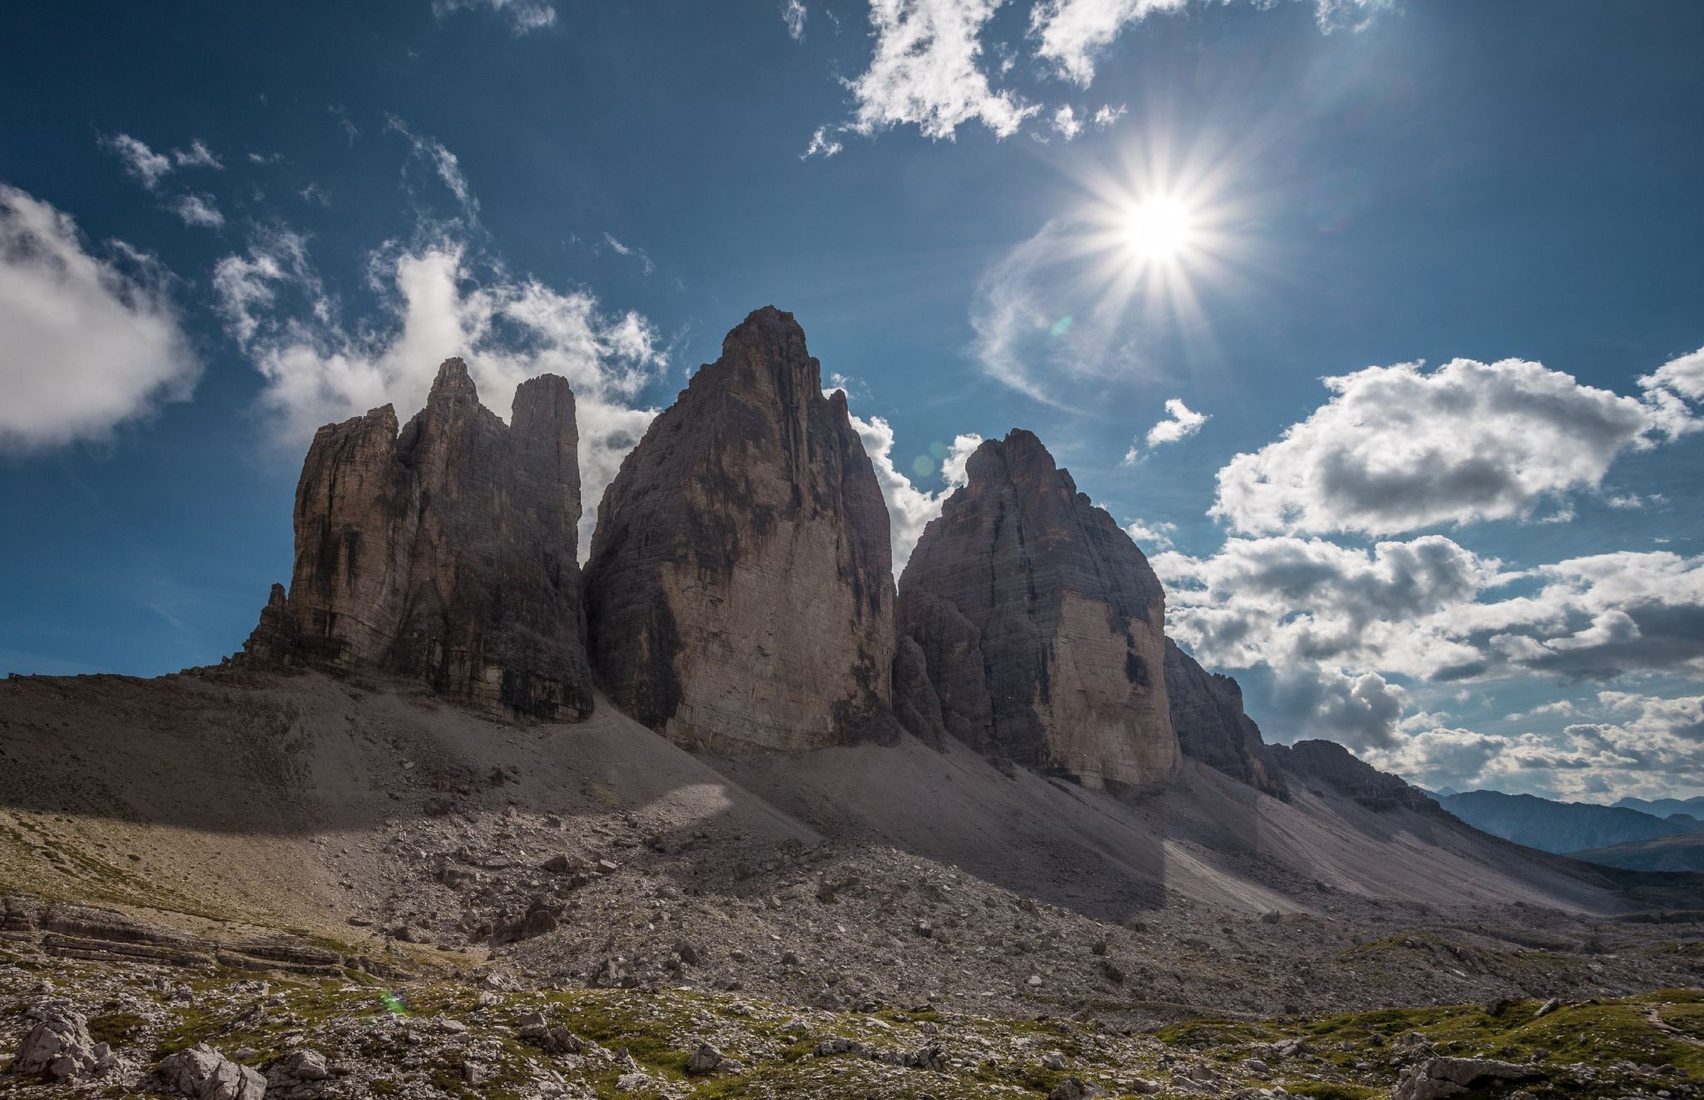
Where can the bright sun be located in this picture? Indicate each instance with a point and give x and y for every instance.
(1159, 229)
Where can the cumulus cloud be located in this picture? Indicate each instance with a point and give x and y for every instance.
(525, 16)
(90, 342)
(1180, 422)
(1683, 376)
(319, 369)
(1066, 123)
(910, 508)
(444, 163)
(1322, 617)
(1070, 34)
(199, 210)
(1151, 536)
(1636, 744)
(926, 71)
(1401, 448)
(793, 13)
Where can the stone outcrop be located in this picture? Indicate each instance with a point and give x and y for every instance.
(58, 1048)
(445, 551)
(1207, 714)
(739, 591)
(1439, 1078)
(202, 1073)
(1040, 624)
(1328, 764)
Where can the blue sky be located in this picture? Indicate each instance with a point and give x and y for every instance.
(1145, 229)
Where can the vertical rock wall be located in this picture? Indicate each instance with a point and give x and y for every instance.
(740, 585)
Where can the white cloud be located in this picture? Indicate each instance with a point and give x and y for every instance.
(199, 210)
(1066, 123)
(1108, 114)
(1401, 448)
(910, 508)
(139, 160)
(150, 167)
(926, 71)
(443, 162)
(822, 143)
(317, 369)
(630, 251)
(524, 16)
(1071, 33)
(1180, 423)
(1151, 536)
(1641, 745)
(1683, 376)
(793, 13)
(89, 343)
(196, 156)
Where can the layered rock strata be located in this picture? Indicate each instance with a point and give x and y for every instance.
(740, 585)
(1040, 625)
(446, 551)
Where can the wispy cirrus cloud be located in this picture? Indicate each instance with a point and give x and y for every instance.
(524, 16)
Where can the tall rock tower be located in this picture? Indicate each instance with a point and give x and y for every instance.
(739, 591)
(1033, 629)
(445, 551)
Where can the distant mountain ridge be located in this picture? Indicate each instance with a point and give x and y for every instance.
(1666, 807)
(1563, 827)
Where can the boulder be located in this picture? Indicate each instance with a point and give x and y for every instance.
(58, 1046)
(1041, 626)
(739, 591)
(298, 1075)
(444, 552)
(1439, 1078)
(202, 1073)
(1207, 714)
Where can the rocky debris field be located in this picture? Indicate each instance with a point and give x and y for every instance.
(135, 1029)
(624, 903)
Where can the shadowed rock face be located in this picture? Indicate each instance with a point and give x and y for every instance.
(1331, 765)
(740, 586)
(1207, 713)
(1040, 625)
(445, 551)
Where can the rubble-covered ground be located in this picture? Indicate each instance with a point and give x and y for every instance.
(353, 1036)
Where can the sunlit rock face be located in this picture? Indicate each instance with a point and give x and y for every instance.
(1207, 714)
(1040, 625)
(740, 583)
(446, 551)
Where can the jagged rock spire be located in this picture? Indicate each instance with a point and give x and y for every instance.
(444, 551)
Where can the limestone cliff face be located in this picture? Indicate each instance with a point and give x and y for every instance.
(1207, 713)
(740, 586)
(1040, 625)
(444, 551)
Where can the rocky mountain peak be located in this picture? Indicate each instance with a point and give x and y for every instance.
(740, 585)
(1034, 627)
(445, 550)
